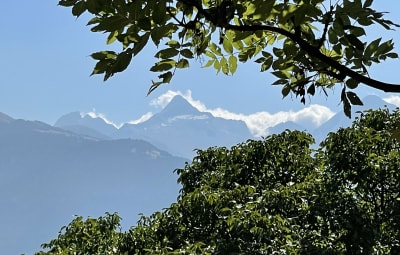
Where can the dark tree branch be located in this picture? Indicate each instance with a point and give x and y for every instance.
(304, 45)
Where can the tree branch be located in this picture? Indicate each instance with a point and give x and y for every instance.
(304, 45)
(343, 70)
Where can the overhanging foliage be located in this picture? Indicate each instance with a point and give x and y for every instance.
(306, 44)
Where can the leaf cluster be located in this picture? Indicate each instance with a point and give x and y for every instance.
(306, 44)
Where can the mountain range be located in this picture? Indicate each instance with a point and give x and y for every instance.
(179, 129)
(85, 166)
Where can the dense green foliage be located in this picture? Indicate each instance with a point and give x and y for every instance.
(307, 44)
(272, 196)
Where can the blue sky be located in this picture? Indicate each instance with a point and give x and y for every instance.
(45, 69)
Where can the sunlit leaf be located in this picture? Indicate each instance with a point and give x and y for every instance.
(167, 53)
(224, 66)
(182, 63)
(227, 44)
(163, 65)
(232, 64)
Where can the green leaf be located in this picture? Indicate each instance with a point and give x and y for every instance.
(122, 61)
(286, 90)
(182, 63)
(140, 44)
(352, 84)
(186, 53)
(215, 49)
(166, 77)
(346, 103)
(238, 45)
(371, 48)
(210, 54)
(354, 99)
(367, 3)
(112, 37)
(173, 44)
(224, 66)
(93, 6)
(332, 36)
(111, 24)
(357, 31)
(217, 65)
(167, 53)
(392, 55)
(67, 3)
(355, 41)
(154, 86)
(209, 63)
(233, 63)
(311, 90)
(280, 82)
(144, 24)
(163, 65)
(281, 74)
(79, 8)
(102, 66)
(384, 48)
(277, 52)
(103, 55)
(160, 12)
(268, 60)
(227, 44)
(160, 32)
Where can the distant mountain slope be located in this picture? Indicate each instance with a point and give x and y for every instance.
(48, 174)
(4, 118)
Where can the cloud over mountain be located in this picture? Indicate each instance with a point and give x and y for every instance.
(258, 123)
(393, 100)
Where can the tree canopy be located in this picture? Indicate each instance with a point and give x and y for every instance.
(272, 196)
(306, 44)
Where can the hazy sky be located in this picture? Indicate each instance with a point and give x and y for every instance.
(45, 67)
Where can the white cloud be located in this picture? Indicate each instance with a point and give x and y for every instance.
(393, 100)
(258, 123)
(166, 98)
(93, 114)
(315, 113)
(143, 118)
